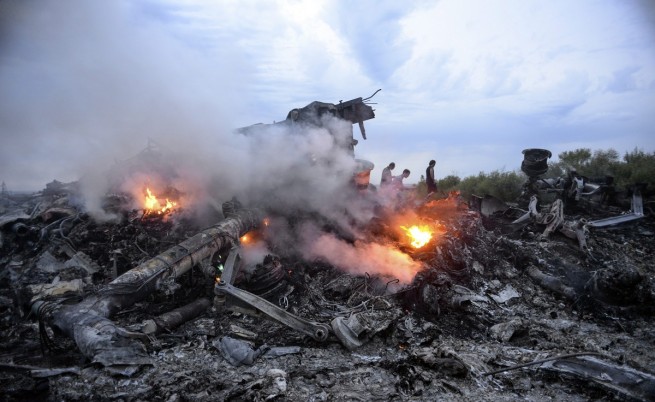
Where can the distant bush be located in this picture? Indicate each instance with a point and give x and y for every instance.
(445, 185)
(449, 183)
(503, 185)
(421, 187)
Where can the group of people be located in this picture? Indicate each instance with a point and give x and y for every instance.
(389, 180)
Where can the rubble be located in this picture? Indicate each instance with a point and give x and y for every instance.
(485, 300)
(501, 303)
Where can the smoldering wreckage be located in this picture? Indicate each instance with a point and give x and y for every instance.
(550, 298)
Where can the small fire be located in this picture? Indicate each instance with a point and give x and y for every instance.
(419, 235)
(153, 206)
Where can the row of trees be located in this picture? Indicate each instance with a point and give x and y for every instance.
(634, 167)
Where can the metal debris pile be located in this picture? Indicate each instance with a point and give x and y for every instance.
(155, 308)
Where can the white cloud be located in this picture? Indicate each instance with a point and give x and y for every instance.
(459, 77)
(467, 50)
(295, 55)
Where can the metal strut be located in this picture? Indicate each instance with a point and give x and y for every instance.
(316, 330)
(224, 287)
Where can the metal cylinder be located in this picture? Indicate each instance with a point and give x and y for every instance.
(20, 229)
(535, 161)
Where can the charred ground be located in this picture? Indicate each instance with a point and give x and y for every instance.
(486, 299)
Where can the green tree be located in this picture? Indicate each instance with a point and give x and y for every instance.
(637, 167)
(578, 159)
(449, 183)
(596, 164)
(602, 163)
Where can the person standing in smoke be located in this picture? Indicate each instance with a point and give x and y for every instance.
(429, 178)
(386, 175)
(398, 180)
(399, 193)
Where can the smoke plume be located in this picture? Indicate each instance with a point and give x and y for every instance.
(107, 94)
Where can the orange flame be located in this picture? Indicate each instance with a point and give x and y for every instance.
(152, 204)
(419, 235)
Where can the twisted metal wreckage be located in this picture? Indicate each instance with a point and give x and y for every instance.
(121, 350)
(571, 189)
(102, 341)
(88, 322)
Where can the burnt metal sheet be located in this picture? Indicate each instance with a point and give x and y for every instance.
(637, 212)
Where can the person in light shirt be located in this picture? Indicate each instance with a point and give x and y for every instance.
(397, 181)
(386, 175)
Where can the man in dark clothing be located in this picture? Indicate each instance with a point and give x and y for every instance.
(386, 175)
(429, 178)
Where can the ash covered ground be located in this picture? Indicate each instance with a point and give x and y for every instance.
(484, 300)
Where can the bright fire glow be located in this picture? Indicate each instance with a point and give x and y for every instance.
(152, 204)
(244, 239)
(419, 235)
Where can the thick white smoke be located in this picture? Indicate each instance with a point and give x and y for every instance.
(361, 258)
(87, 85)
(358, 258)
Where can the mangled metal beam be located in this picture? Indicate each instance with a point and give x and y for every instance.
(621, 379)
(225, 288)
(636, 212)
(356, 111)
(316, 330)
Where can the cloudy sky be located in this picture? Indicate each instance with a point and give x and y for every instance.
(469, 83)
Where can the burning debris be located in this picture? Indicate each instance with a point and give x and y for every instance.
(153, 205)
(420, 236)
(368, 299)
